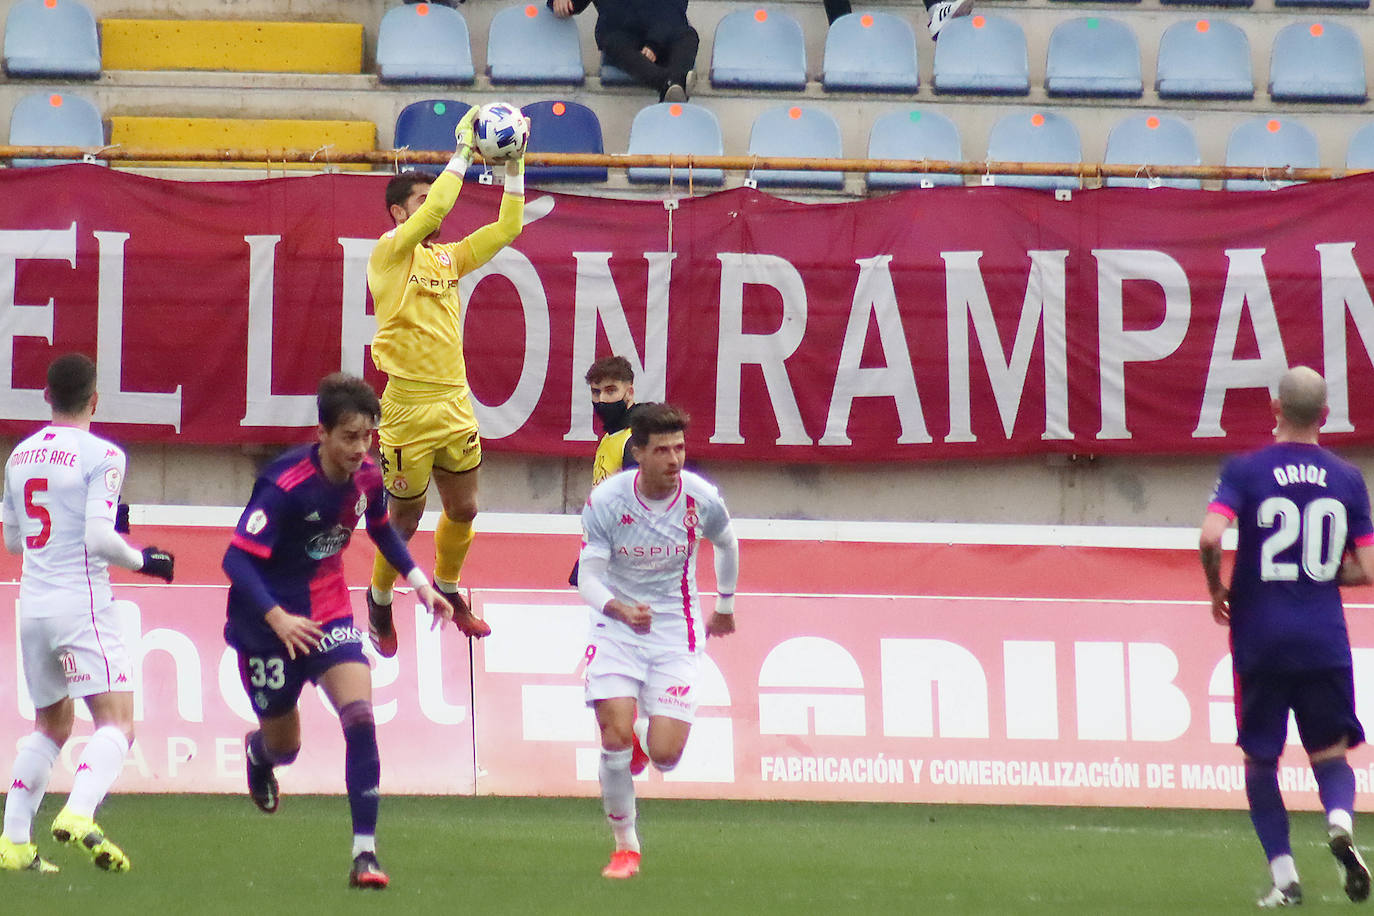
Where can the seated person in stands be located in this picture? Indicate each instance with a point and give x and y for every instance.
(649, 39)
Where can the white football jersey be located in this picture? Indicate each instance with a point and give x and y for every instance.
(652, 554)
(55, 480)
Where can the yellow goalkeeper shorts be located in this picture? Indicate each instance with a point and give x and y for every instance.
(420, 432)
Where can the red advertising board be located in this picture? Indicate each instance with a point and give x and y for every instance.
(959, 672)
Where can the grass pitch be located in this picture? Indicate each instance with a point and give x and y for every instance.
(216, 854)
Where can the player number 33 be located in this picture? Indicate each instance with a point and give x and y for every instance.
(269, 673)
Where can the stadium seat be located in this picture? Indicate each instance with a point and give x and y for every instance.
(563, 127)
(1042, 136)
(1341, 4)
(52, 119)
(913, 135)
(982, 54)
(1152, 140)
(1317, 62)
(758, 49)
(611, 75)
(1211, 2)
(527, 43)
(231, 45)
(794, 130)
(870, 52)
(1204, 59)
(1093, 56)
(424, 43)
(1274, 142)
(676, 127)
(51, 38)
(1360, 153)
(325, 137)
(429, 126)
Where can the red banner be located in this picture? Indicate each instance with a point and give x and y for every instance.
(920, 325)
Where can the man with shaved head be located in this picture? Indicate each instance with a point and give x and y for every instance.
(1303, 521)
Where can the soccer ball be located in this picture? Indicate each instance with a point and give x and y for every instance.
(501, 131)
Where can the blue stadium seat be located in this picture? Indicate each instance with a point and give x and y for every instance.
(563, 127)
(1152, 140)
(913, 135)
(1199, 58)
(428, 125)
(1042, 136)
(51, 38)
(982, 54)
(1360, 153)
(870, 52)
(424, 43)
(1317, 62)
(676, 127)
(758, 49)
(1093, 56)
(1340, 4)
(52, 119)
(792, 130)
(611, 75)
(527, 43)
(1274, 142)
(1211, 2)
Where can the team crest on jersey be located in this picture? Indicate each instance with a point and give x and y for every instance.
(361, 505)
(112, 479)
(443, 258)
(256, 522)
(690, 518)
(399, 484)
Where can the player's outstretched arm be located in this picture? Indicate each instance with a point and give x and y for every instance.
(1214, 525)
(103, 541)
(725, 546)
(491, 238)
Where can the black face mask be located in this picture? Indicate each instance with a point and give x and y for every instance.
(611, 414)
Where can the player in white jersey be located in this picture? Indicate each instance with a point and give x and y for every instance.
(61, 502)
(642, 531)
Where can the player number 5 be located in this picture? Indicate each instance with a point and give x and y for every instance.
(37, 512)
(1322, 529)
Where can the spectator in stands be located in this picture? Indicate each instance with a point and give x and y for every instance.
(649, 39)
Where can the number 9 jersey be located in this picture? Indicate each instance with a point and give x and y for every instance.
(55, 481)
(1298, 508)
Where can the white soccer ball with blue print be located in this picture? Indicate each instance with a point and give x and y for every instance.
(501, 131)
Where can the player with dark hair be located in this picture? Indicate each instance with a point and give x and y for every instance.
(612, 383)
(1304, 531)
(428, 427)
(641, 535)
(61, 501)
(289, 614)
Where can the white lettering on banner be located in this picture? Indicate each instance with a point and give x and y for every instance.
(185, 661)
(231, 687)
(1246, 284)
(875, 299)
(1117, 346)
(358, 325)
(1343, 289)
(1064, 774)
(880, 770)
(1221, 778)
(180, 751)
(1159, 776)
(810, 662)
(913, 669)
(500, 420)
(595, 298)
(229, 760)
(1100, 687)
(1159, 709)
(24, 320)
(1221, 714)
(966, 299)
(769, 352)
(429, 670)
(263, 407)
(116, 404)
(1032, 692)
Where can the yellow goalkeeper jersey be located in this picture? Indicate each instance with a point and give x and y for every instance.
(415, 287)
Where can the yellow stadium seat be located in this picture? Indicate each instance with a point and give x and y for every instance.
(231, 45)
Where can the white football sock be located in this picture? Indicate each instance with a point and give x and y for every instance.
(1341, 819)
(1284, 870)
(99, 767)
(381, 596)
(618, 797)
(32, 768)
(363, 843)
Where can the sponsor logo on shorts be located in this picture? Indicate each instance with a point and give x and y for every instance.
(19, 784)
(339, 636)
(676, 696)
(678, 690)
(260, 699)
(121, 680)
(68, 662)
(399, 484)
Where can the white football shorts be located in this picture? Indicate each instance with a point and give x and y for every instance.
(76, 655)
(663, 681)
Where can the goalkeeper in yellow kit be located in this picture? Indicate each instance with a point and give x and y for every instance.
(428, 427)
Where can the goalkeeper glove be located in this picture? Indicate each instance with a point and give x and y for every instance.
(515, 166)
(157, 563)
(464, 141)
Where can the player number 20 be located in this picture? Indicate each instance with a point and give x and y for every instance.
(267, 672)
(1321, 528)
